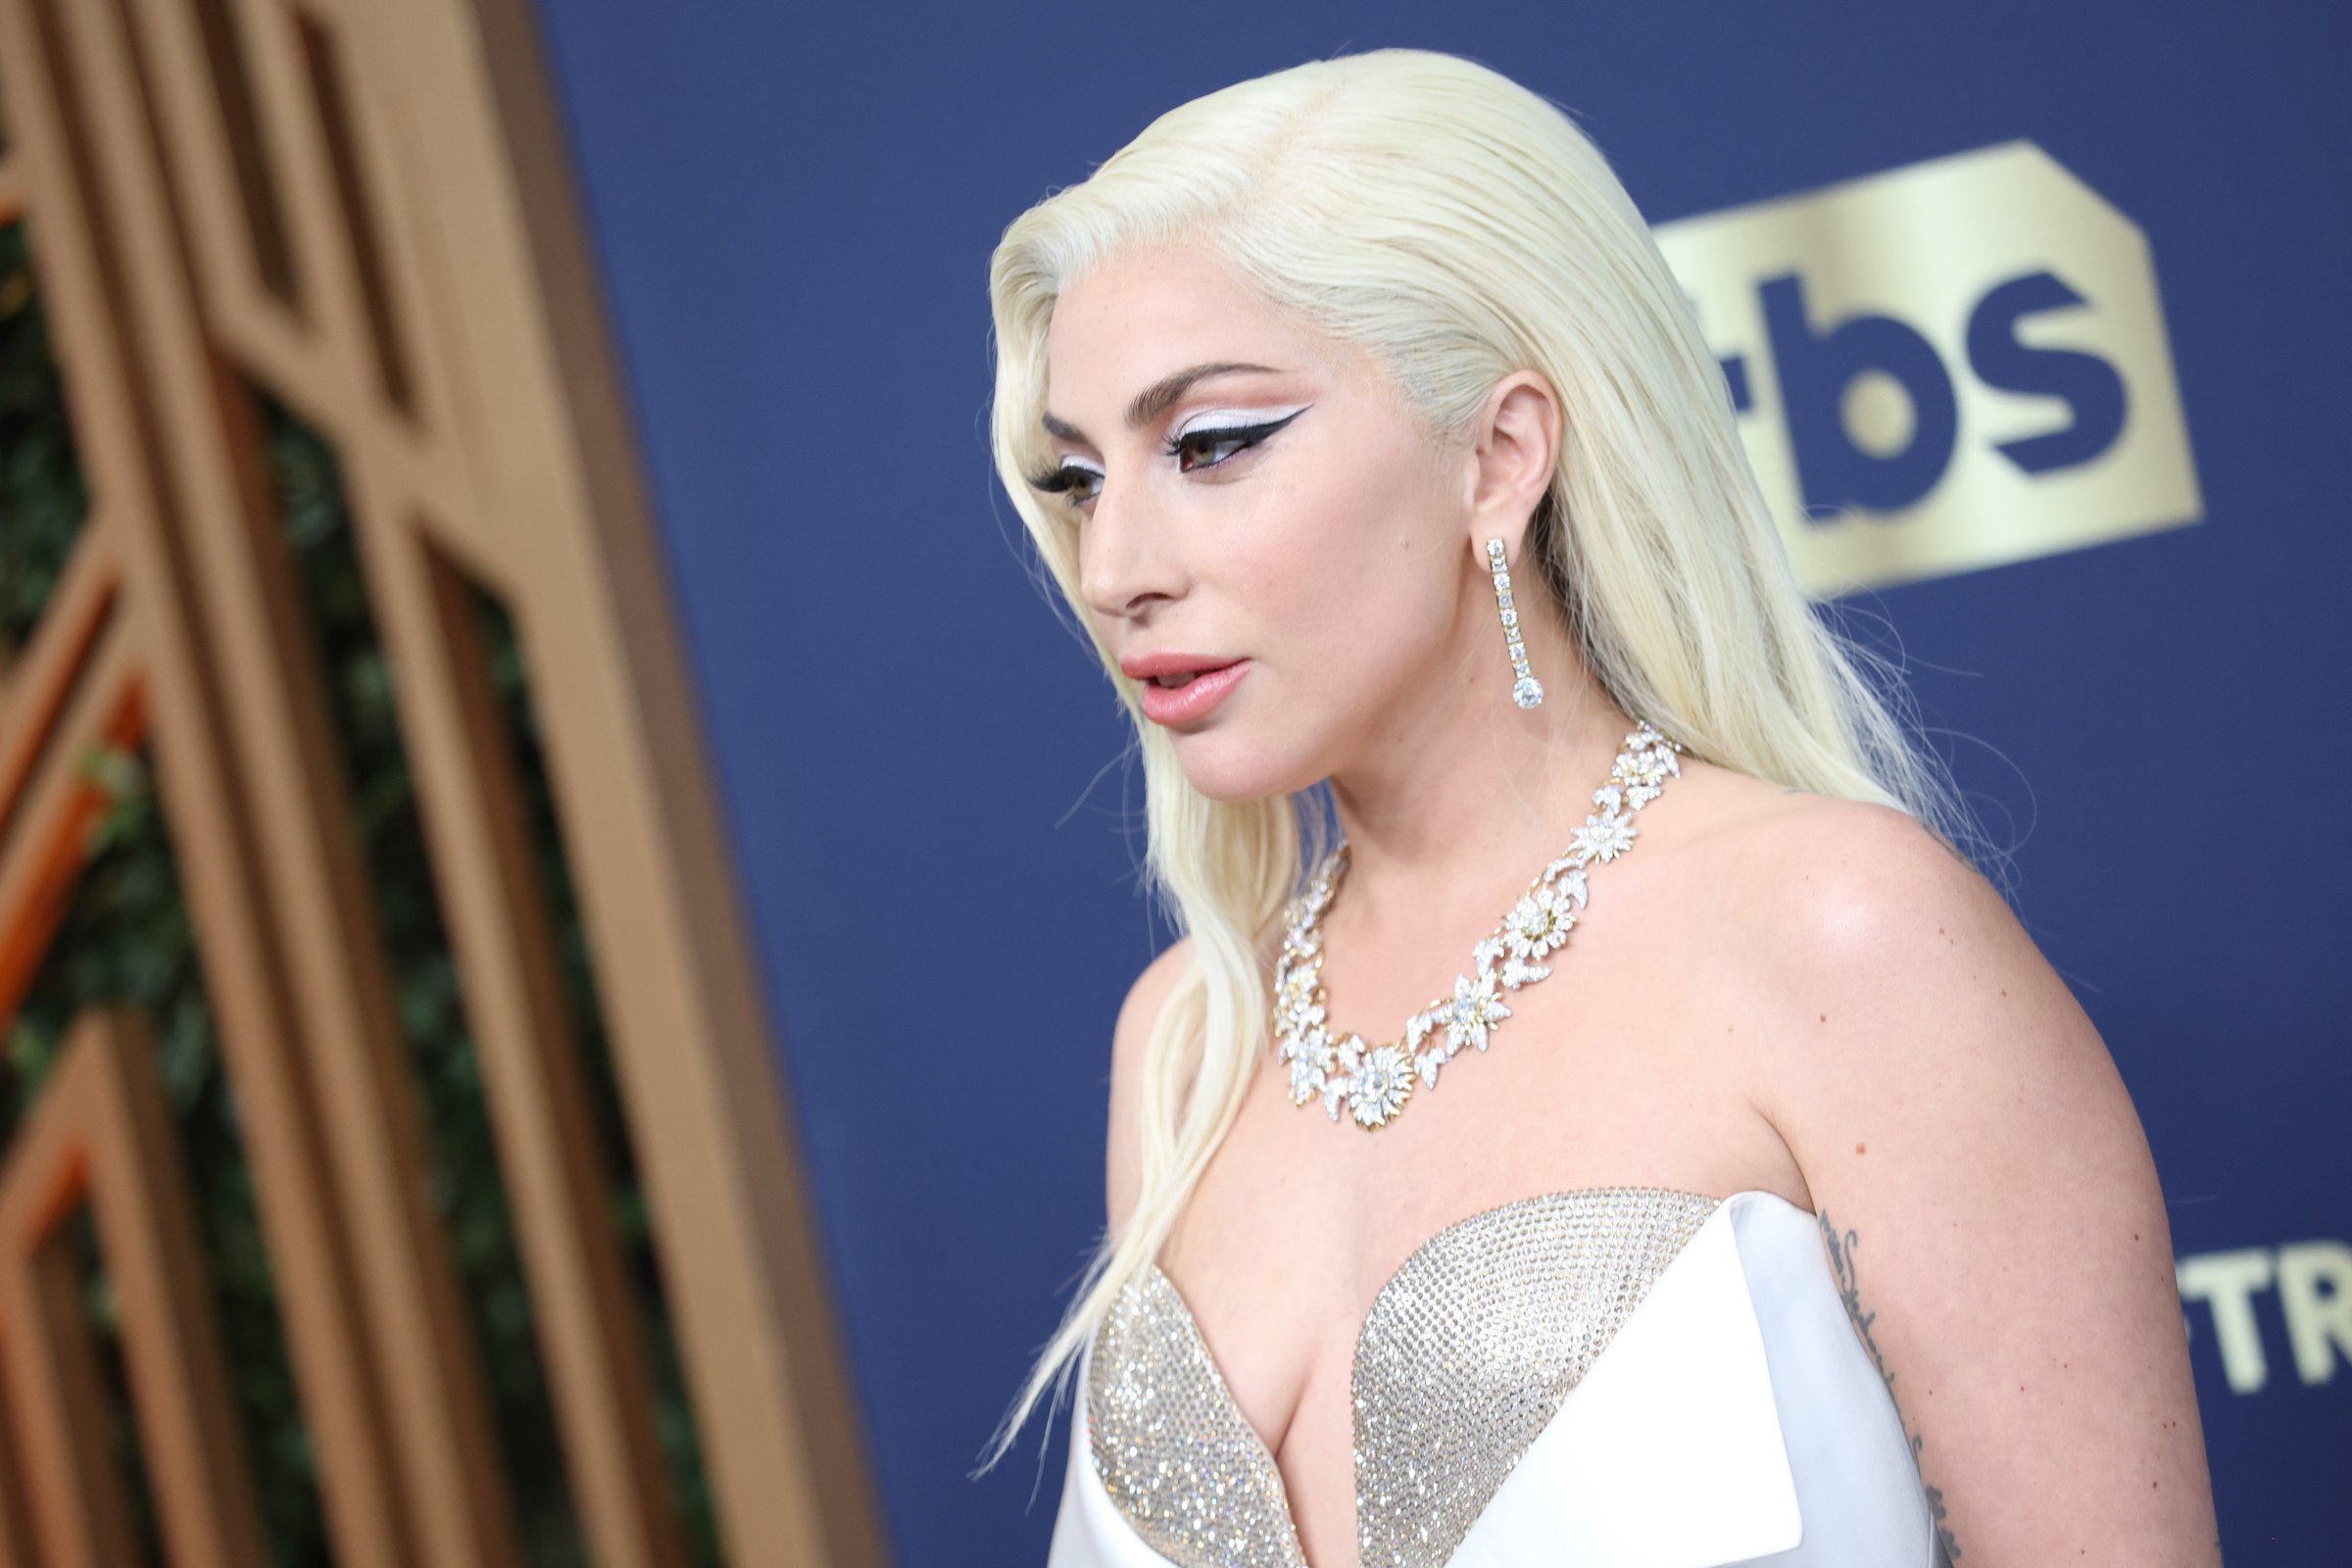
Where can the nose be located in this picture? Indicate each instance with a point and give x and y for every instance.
(1125, 556)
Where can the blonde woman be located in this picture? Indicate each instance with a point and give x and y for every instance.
(1595, 1113)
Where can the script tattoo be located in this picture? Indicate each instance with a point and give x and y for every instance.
(1841, 1262)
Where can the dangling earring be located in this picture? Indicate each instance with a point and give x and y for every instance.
(1526, 691)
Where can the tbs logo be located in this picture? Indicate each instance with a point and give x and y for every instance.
(1942, 367)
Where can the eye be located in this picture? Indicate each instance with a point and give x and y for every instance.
(1240, 437)
(1065, 480)
(1209, 441)
(1070, 480)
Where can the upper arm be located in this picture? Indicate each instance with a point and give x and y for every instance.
(1999, 1233)
(1133, 1031)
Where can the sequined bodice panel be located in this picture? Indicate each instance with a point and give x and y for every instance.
(1468, 1351)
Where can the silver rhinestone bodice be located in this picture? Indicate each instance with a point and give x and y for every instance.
(1173, 1450)
(1468, 1352)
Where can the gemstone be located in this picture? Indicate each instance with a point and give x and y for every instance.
(1527, 692)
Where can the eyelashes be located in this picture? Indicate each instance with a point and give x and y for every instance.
(1068, 478)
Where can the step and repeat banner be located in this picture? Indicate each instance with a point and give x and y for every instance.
(2032, 321)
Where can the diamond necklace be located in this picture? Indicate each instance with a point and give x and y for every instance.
(1376, 1080)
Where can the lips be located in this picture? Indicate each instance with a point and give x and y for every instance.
(1193, 700)
(1170, 661)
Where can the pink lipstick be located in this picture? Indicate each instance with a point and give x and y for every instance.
(1193, 700)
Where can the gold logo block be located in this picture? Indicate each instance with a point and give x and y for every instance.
(1945, 366)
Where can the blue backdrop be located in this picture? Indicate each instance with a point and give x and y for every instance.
(795, 207)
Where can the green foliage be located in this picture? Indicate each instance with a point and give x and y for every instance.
(42, 497)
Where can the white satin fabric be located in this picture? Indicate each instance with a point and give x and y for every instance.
(1735, 1418)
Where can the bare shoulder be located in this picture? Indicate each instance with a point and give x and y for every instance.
(1879, 954)
(1893, 984)
(1809, 898)
(1132, 1032)
(1981, 1179)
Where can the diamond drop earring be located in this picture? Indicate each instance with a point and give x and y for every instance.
(1526, 691)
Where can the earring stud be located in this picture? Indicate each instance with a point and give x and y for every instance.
(1526, 691)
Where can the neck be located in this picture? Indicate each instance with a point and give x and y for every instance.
(1445, 834)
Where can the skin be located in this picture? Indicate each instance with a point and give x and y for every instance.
(1774, 991)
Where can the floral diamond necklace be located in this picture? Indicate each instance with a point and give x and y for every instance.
(1374, 1081)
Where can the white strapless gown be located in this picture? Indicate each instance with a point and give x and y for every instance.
(1627, 1377)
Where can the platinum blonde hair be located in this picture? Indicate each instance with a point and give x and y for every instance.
(1453, 226)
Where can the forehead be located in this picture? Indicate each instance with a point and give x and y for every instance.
(1143, 312)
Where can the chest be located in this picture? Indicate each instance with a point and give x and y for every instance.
(1300, 1225)
(1460, 1366)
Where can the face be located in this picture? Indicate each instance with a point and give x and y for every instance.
(1282, 517)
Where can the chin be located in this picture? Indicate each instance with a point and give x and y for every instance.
(1223, 767)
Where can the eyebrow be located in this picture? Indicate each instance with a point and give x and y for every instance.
(1154, 400)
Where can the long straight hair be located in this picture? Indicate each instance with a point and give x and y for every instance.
(1453, 226)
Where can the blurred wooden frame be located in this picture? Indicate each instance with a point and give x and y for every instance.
(365, 208)
(102, 1135)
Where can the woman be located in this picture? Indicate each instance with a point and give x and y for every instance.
(1784, 1206)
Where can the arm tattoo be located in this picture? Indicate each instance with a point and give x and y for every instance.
(1841, 1262)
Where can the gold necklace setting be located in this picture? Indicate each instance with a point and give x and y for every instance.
(1375, 1082)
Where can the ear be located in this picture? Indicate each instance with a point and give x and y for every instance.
(1514, 446)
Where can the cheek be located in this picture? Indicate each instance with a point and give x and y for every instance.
(1351, 584)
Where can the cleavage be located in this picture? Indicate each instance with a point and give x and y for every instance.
(1465, 1354)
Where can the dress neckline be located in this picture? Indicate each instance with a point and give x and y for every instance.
(1487, 1214)
(1223, 1391)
